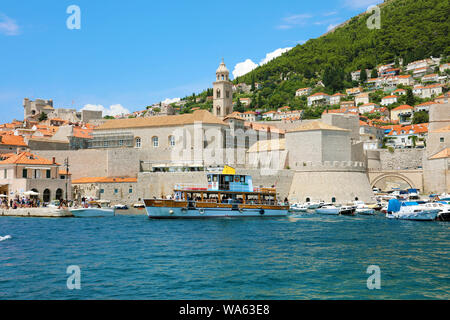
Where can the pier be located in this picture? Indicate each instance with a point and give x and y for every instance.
(36, 212)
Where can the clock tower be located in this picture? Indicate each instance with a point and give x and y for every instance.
(222, 92)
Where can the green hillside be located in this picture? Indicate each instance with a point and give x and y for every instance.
(410, 30)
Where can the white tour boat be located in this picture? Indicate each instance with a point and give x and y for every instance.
(98, 208)
(227, 194)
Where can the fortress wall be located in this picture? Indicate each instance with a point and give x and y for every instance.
(401, 159)
(345, 186)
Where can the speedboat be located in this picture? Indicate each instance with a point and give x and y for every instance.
(99, 208)
(333, 210)
(362, 209)
(297, 207)
(347, 210)
(444, 209)
(411, 211)
(312, 205)
(121, 207)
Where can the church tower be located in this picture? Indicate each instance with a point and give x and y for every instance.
(223, 92)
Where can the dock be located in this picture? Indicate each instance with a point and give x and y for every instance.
(36, 212)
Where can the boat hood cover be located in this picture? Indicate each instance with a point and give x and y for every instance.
(394, 205)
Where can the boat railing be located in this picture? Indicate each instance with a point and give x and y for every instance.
(204, 187)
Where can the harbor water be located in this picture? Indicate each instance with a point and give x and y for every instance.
(307, 256)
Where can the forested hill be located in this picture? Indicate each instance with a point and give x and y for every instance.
(410, 29)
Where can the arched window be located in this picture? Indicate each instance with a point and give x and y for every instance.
(155, 142)
(59, 194)
(218, 93)
(333, 199)
(308, 199)
(247, 142)
(138, 142)
(46, 195)
(223, 78)
(172, 141)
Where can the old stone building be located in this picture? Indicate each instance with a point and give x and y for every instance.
(223, 92)
(29, 172)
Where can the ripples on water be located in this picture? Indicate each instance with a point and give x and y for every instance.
(302, 257)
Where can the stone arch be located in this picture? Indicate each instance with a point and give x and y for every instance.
(59, 194)
(46, 195)
(393, 175)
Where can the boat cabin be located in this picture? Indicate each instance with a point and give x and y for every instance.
(229, 182)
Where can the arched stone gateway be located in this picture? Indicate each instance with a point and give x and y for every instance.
(393, 175)
(46, 195)
(59, 194)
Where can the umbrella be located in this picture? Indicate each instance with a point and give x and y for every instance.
(3, 196)
(31, 193)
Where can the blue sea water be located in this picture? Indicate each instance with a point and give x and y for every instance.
(306, 257)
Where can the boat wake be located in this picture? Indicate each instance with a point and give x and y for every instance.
(5, 238)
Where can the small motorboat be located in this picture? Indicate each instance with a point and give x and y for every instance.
(411, 211)
(332, 210)
(444, 209)
(98, 208)
(362, 209)
(347, 210)
(297, 207)
(121, 207)
(312, 205)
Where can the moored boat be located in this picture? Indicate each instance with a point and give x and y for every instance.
(297, 207)
(347, 210)
(98, 208)
(363, 209)
(410, 211)
(331, 210)
(227, 194)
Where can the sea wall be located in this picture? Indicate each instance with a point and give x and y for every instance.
(36, 212)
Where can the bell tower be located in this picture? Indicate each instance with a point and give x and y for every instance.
(222, 92)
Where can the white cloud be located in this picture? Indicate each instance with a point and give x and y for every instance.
(248, 65)
(294, 20)
(331, 27)
(274, 54)
(169, 101)
(8, 26)
(113, 110)
(243, 68)
(360, 4)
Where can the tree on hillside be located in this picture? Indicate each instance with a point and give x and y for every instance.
(374, 73)
(42, 116)
(420, 117)
(238, 106)
(410, 100)
(363, 75)
(333, 78)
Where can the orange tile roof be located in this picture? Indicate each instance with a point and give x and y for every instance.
(319, 94)
(441, 154)
(27, 158)
(104, 180)
(389, 97)
(403, 107)
(203, 116)
(64, 172)
(12, 140)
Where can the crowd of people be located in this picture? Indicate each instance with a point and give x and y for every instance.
(19, 202)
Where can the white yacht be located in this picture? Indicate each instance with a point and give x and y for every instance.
(332, 210)
(99, 208)
(410, 211)
(297, 207)
(363, 209)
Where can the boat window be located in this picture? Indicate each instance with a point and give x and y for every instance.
(209, 178)
(242, 178)
(214, 178)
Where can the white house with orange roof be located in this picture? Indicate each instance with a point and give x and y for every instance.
(402, 113)
(434, 77)
(318, 98)
(444, 98)
(408, 136)
(354, 91)
(367, 107)
(428, 91)
(388, 100)
(335, 99)
(269, 115)
(399, 92)
(443, 67)
(249, 116)
(362, 98)
(28, 172)
(302, 92)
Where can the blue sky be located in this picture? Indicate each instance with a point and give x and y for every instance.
(130, 54)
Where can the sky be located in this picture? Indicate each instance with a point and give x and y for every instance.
(127, 55)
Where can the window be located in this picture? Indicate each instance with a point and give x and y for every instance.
(172, 141)
(24, 173)
(441, 139)
(130, 190)
(37, 174)
(120, 143)
(138, 143)
(48, 174)
(116, 191)
(102, 190)
(105, 144)
(5, 174)
(155, 142)
(218, 93)
(228, 93)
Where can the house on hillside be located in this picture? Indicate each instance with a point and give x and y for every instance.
(319, 98)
